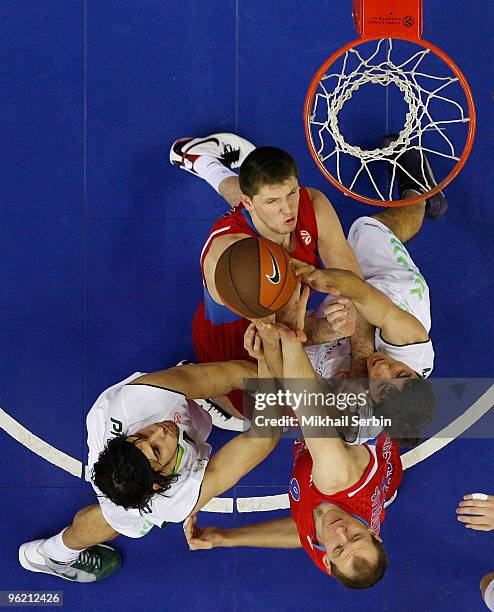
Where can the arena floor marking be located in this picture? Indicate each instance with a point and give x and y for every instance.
(268, 502)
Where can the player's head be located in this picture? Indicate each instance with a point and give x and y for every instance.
(408, 409)
(131, 469)
(400, 395)
(269, 183)
(355, 555)
(380, 365)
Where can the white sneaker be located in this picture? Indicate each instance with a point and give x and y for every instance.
(221, 418)
(94, 563)
(229, 149)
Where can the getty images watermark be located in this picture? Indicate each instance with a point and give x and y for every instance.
(409, 410)
(342, 409)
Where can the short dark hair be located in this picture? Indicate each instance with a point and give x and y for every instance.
(124, 474)
(410, 410)
(265, 166)
(366, 573)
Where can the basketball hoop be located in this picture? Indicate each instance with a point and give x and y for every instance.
(434, 111)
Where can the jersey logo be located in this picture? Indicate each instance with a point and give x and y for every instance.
(200, 465)
(294, 489)
(306, 237)
(275, 276)
(177, 418)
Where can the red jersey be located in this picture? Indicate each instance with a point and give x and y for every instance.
(364, 500)
(217, 332)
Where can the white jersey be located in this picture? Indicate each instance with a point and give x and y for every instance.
(387, 266)
(124, 409)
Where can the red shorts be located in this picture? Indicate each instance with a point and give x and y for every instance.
(222, 342)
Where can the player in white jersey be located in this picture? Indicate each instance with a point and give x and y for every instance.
(398, 343)
(387, 266)
(150, 465)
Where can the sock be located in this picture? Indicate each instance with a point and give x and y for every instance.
(212, 170)
(55, 549)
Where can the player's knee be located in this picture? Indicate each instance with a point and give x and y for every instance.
(91, 517)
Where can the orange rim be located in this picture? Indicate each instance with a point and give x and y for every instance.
(455, 170)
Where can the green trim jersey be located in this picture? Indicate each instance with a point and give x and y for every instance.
(125, 409)
(387, 266)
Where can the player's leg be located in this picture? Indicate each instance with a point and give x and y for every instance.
(213, 158)
(89, 527)
(77, 552)
(405, 222)
(412, 171)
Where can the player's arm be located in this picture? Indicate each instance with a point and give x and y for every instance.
(216, 249)
(332, 245)
(235, 459)
(278, 533)
(333, 466)
(201, 380)
(242, 454)
(397, 326)
(266, 350)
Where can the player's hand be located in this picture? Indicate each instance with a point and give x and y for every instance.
(320, 280)
(293, 312)
(477, 514)
(341, 315)
(280, 331)
(253, 342)
(201, 538)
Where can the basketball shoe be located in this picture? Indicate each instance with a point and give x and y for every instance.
(229, 149)
(418, 167)
(92, 564)
(220, 417)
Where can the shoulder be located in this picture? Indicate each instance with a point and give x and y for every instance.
(322, 206)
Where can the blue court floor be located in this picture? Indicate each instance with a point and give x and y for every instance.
(99, 248)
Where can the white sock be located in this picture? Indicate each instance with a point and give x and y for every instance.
(212, 170)
(55, 549)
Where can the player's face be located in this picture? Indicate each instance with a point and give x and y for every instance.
(346, 538)
(380, 365)
(159, 442)
(276, 206)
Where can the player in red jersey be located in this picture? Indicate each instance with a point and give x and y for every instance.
(337, 492)
(268, 201)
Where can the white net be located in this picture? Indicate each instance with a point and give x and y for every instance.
(434, 118)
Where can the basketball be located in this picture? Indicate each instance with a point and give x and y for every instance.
(254, 278)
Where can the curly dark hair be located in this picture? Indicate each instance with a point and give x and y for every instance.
(366, 574)
(124, 474)
(265, 166)
(410, 411)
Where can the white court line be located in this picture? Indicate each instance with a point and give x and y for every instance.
(268, 502)
(39, 446)
(452, 431)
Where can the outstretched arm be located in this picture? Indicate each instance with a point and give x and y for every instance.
(278, 533)
(203, 380)
(397, 326)
(298, 373)
(243, 453)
